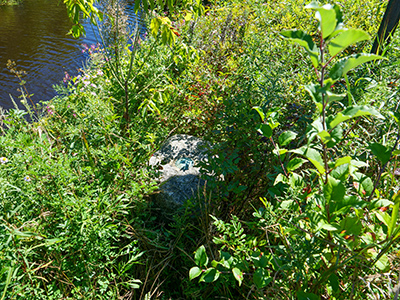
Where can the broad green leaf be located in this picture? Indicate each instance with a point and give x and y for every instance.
(325, 136)
(313, 130)
(358, 164)
(348, 203)
(334, 97)
(316, 92)
(367, 186)
(380, 203)
(381, 152)
(155, 26)
(265, 130)
(194, 272)
(307, 296)
(238, 275)
(334, 190)
(260, 112)
(383, 263)
(226, 260)
(209, 275)
(348, 63)
(354, 112)
(342, 161)
(326, 16)
(286, 137)
(383, 217)
(395, 214)
(315, 158)
(261, 278)
(345, 39)
(300, 37)
(305, 41)
(259, 259)
(331, 227)
(351, 225)
(334, 282)
(336, 135)
(200, 257)
(341, 172)
(294, 164)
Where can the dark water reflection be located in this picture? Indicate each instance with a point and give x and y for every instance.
(34, 35)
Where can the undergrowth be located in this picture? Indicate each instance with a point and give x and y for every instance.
(77, 220)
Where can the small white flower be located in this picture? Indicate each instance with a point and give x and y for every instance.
(3, 160)
(27, 178)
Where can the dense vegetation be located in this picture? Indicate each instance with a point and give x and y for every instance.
(307, 207)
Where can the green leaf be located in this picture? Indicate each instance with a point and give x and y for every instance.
(326, 16)
(354, 112)
(380, 203)
(383, 263)
(305, 41)
(331, 227)
(341, 172)
(334, 97)
(345, 39)
(200, 257)
(395, 214)
(155, 26)
(226, 260)
(194, 272)
(342, 161)
(260, 112)
(381, 152)
(348, 63)
(383, 217)
(265, 130)
(294, 164)
(334, 282)
(286, 137)
(325, 136)
(352, 225)
(238, 275)
(315, 158)
(261, 278)
(334, 190)
(209, 275)
(307, 296)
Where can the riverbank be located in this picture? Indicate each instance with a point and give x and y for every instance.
(10, 2)
(77, 221)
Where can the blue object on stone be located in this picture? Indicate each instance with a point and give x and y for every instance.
(183, 164)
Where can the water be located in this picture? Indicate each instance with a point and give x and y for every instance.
(34, 36)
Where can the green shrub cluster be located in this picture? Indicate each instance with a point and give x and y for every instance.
(302, 202)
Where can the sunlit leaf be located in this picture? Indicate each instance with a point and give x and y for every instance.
(200, 257)
(194, 272)
(305, 41)
(209, 275)
(238, 274)
(294, 164)
(345, 39)
(286, 137)
(353, 112)
(348, 63)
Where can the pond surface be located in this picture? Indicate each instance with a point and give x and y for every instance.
(34, 36)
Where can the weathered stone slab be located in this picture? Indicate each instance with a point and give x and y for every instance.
(179, 176)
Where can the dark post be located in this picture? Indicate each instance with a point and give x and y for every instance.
(388, 26)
